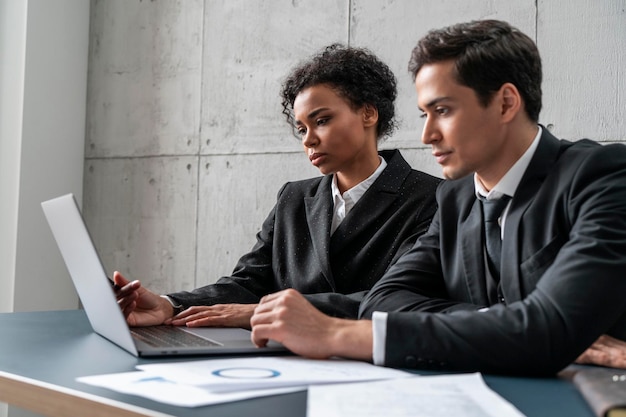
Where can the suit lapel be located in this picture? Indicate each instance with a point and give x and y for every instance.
(319, 214)
(544, 158)
(371, 206)
(376, 200)
(473, 256)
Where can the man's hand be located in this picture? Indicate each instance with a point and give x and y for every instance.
(219, 315)
(140, 306)
(606, 351)
(287, 317)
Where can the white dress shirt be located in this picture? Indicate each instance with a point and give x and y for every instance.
(344, 203)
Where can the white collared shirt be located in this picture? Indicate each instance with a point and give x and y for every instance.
(506, 186)
(344, 203)
(509, 182)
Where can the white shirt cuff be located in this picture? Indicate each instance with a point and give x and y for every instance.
(177, 308)
(170, 300)
(379, 333)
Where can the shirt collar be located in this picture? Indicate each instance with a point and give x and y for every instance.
(510, 181)
(356, 192)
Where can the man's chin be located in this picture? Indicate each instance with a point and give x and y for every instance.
(448, 174)
(452, 174)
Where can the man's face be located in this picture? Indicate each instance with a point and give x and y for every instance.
(465, 136)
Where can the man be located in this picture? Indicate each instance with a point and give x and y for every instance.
(557, 283)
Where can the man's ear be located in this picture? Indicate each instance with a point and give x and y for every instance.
(370, 115)
(511, 102)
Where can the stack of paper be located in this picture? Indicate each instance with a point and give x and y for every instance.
(198, 383)
(428, 396)
(393, 393)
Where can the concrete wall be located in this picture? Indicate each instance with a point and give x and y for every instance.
(186, 146)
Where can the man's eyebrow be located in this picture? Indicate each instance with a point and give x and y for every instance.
(434, 102)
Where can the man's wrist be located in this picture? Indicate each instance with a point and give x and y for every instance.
(353, 339)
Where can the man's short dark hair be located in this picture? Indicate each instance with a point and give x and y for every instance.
(487, 54)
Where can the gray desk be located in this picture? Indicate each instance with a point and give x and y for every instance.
(42, 353)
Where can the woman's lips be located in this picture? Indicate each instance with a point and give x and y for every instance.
(317, 158)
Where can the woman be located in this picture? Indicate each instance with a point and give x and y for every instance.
(331, 237)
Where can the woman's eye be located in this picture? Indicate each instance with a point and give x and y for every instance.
(442, 110)
(322, 121)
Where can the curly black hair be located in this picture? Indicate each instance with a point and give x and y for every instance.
(356, 74)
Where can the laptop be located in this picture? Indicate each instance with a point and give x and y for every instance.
(98, 299)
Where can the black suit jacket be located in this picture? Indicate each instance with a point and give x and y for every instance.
(563, 274)
(294, 248)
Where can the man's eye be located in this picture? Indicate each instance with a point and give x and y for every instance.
(423, 115)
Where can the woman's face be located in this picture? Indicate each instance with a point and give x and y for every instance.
(336, 137)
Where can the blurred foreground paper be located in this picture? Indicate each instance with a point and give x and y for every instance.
(241, 374)
(158, 388)
(426, 396)
(213, 381)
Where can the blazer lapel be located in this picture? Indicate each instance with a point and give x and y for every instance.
(544, 158)
(319, 215)
(473, 257)
(372, 205)
(381, 194)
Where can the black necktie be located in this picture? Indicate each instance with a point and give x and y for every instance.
(492, 209)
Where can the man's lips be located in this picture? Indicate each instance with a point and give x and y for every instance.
(441, 156)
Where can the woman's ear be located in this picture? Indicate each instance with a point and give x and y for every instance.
(370, 115)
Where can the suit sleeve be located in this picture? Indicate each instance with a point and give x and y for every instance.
(337, 305)
(578, 296)
(252, 277)
(414, 283)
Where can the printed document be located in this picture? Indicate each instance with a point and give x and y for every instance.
(213, 381)
(240, 374)
(427, 396)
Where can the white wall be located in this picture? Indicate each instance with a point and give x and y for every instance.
(52, 144)
(186, 145)
(12, 52)
(43, 81)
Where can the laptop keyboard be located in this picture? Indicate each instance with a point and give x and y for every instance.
(168, 336)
